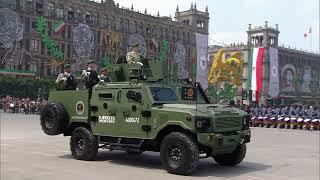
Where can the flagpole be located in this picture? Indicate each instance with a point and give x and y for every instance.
(311, 41)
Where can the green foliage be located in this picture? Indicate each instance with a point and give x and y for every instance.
(106, 61)
(213, 94)
(194, 71)
(164, 50)
(51, 44)
(25, 87)
(227, 93)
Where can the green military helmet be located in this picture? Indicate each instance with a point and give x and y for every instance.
(90, 61)
(104, 69)
(135, 45)
(67, 66)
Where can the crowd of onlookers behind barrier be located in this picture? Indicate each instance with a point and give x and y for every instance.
(22, 105)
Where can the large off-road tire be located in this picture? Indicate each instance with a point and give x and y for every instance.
(179, 153)
(232, 159)
(83, 144)
(53, 119)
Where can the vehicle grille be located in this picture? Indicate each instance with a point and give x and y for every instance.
(227, 122)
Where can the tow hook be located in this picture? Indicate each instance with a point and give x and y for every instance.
(241, 141)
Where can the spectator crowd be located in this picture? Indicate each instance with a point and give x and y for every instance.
(22, 105)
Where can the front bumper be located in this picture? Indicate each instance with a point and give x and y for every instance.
(224, 144)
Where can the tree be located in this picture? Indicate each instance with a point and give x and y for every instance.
(25, 87)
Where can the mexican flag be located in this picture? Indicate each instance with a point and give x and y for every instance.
(58, 28)
(255, 72)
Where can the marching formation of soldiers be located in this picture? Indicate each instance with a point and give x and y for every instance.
(290, 117)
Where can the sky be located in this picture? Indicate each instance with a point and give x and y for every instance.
(229, 19)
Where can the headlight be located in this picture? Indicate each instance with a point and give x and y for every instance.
(203, 124)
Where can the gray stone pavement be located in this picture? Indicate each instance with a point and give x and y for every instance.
(27, 153)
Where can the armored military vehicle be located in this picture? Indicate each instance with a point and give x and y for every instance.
(143, 109)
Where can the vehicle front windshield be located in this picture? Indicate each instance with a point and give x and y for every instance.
(163, 94)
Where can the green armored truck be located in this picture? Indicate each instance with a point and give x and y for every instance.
(143, 109)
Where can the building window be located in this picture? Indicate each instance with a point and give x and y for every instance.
(166, 33)
(35, 45)
(95, 19)
(9, 4)
(60, 13)
(51, 10)
(42, 48)
(34, 25)
(78, 16)
(88, 18)
(148, 30)
(135, 26)
(29, 5)
(68, 50)
(62, 48)
(127, 25)
(27, 25)
(39, 8)
(70, 13)
(113, 23)
(121, 24)
(68, 31)
(27, 42)
(141, 27)
(49, 28)
(33, 67)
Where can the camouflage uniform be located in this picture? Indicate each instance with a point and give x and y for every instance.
(133, 57)
(66, 81)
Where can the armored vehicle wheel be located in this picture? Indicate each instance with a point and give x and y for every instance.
(232, 159)
(53, 119)
(179, 153)
(83, 144)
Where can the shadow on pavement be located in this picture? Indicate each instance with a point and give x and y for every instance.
(210, 168)
(149, 160)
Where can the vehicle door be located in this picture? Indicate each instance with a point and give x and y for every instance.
(130, 112)
(105, 108)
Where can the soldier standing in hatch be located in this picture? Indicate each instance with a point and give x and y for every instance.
(90, 76)
(134, 56)
(66, 80)
(104, 76)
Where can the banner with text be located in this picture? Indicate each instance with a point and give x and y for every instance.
(202, 55)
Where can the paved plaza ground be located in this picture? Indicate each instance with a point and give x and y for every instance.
(273, 154)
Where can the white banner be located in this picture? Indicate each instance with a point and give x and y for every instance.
(202, 54)
(274, 73)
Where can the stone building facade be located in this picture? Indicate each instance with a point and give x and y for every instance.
(297, 71)
(113, 28)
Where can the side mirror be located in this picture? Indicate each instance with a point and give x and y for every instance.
(135, 96)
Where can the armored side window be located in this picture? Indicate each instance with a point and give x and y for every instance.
(163, 94)
(106, 96)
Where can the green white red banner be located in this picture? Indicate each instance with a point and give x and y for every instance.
(255, 72)
(58, 28)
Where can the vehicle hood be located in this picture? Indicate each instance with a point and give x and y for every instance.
(210, 109)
